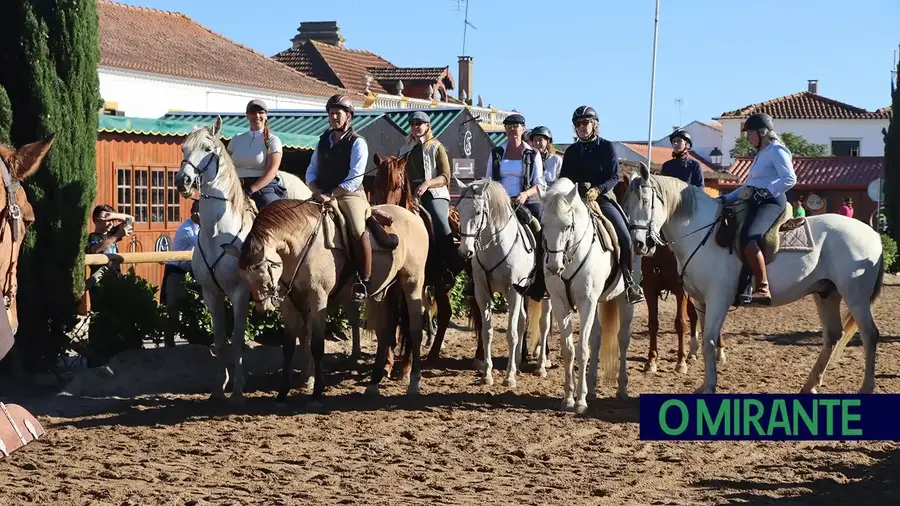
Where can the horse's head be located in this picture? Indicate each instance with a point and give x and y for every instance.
(261, 266)
(646, 211)
(561, 204)
(480, 204)
(202, 151)
(16, 212)
(391, 182)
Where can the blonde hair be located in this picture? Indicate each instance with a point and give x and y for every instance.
(425, 138)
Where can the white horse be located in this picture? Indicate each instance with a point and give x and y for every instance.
(846, 263)
(497, 244)
(582, 274)
(226, 216)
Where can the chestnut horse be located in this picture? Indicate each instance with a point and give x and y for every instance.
(392, 186)
(16, 215)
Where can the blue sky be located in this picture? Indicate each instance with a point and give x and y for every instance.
(545, 58)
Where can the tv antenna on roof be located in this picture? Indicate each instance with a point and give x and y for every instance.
(678, 102)
(466, 24)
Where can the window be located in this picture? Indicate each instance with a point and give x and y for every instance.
(148, 194)
(845, 148)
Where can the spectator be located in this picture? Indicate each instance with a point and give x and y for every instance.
(172, 290)
(847, 207)
(110, 227)
(799, 210)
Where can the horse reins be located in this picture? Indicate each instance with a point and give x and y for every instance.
(568, 282)
(12, 214)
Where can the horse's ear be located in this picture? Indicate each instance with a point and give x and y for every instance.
(572, 196)
(217, 127)
(29, 157)
(645, 171)
(377, 159)
(460, 183)
(232, 250)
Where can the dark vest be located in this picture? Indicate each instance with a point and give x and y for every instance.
(334, 161)
(527, 166)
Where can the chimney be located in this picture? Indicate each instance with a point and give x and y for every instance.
(326, 32)
(465, 79)
(814, 86)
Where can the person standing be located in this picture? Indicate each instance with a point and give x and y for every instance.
(172, 291)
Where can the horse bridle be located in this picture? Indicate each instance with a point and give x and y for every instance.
(566, 258)
(13, 215)
(652, 232)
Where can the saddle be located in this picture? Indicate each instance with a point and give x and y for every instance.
(377, 224)
(18, 427)
(786, 234)
(606, 234)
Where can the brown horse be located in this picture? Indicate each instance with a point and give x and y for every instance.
(16, 215)
(392, 186)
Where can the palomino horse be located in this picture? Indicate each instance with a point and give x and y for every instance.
(392, 186)
(846, 262)
(583, 276)
(16, 165)
(503, 257)
(288, 260)
(225, 218)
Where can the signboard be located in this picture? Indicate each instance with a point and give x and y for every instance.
(464, 168)
(162, 243)
(875, 191)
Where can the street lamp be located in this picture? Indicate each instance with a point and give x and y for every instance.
(716, 157)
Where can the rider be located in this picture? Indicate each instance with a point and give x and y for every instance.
(681, 165)
(336, 171)
(770, 177)
(542, 140)
(517, 166)
(428, 169)
(592, 164)
(257, 154)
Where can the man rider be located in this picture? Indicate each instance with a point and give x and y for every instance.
(592, 164)
(336, 171)
(681, 165)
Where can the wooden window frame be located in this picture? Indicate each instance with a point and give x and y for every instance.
(146, 222)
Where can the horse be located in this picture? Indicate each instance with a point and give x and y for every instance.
(844, 261)
(226, 215)
(287, 260)
(502, 252)
(16, 216)
(391, 186)
(582, 276)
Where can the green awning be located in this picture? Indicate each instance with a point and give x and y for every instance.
(497, 138)
(183, 127)
(305, 123)
(441, 119)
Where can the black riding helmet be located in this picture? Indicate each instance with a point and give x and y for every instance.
(758, 121)
(585, 111)
(341, 101)
(684, 135)
(542, 131)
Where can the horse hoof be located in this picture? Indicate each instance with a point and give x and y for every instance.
(704, 390)
(373, 391)
(622, 395)
(650, 367)
(720, 357)
(804, 391)
(542, 372)
(412, 390)
(510, 382)
(568, 404)
(238, 399)
(217, 396)
(681, 368)
(867, 389)
(591, 396)
(580, 408)
(478, 365)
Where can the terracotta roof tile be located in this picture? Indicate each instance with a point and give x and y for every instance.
(830, 171)
(170, 43)
(662, 154)
(805, 105)
(412, 74)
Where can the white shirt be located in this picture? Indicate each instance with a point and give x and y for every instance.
(248, 151)
(772, 169)
(551, 168)
(185, 240)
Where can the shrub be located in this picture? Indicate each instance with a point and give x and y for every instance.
(889, 246)
(124, 313)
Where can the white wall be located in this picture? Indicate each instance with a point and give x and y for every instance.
(704, 138)
(818, 131)
(146, 95)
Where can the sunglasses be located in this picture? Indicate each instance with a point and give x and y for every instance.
(582, 122)
(416, 123)
(512, 126)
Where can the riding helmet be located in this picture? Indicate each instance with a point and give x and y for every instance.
(341, 101)
(584, 111)
(542, 131)
(758, 121)
(684, 135)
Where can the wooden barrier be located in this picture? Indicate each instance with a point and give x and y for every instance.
(138, 257)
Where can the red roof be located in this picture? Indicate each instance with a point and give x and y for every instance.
(806, 105)
(662, 154)
(828, 171)
(170, 43)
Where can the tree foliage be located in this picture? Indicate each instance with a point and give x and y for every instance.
(892, 168)
(797, 145)
(49, 52)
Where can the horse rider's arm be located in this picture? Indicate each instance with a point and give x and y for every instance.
(698, 175)
(273, 163)
(537, 177)
(607, 177)
(312, 171)
(359, 154)
(787, 178)
(443, 166)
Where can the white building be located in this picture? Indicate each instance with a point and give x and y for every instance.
(704, 136)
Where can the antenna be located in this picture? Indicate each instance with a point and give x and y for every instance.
(678, 102)
(466, 25)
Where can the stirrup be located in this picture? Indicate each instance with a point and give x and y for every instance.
(762, 295)
(448, 280)
(360, 291)
(634, 293)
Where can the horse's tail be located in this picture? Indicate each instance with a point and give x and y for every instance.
(609, 339)
(533, 322)
(848, 322)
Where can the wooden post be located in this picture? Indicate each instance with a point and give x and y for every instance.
(138, 257)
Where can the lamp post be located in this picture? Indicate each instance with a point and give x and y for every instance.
(716, 158)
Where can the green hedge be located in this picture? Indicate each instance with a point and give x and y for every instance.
(889, 246)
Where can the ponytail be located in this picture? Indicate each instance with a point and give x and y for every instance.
(266, 135)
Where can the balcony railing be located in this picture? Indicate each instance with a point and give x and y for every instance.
(488, 116)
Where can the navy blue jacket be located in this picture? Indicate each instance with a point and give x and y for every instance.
(592, 164)
(685, 169)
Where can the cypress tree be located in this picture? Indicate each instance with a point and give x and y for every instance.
(892, 167)
(49, 52)
(5, 116)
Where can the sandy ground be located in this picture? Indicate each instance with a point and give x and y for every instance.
(147, 434)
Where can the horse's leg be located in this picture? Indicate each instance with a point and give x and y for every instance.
(215, 302)
(714, 319)
(240, 303)
(596, 338)
(412, 297)
(868, 334)
(626, 316)
(695, 335)
(385, 334)
(680, 324)
(829, 309)
(546, 320)
(483, 300)
(513, 331)
(475, 313)
(587, 313)
(406, 318)
(352, 310)
(651, 297)
(292, 323)
(444, 312)
(317, 317)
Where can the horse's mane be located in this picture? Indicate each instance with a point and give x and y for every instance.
(226, 176)
(275, 222)
(387, 170)
(556, 201)
(680, 197)
(497, 200)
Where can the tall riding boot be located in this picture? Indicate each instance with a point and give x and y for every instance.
(757, 264)
(448, 279)
(538, 288)
(633, 291)
(364, 268)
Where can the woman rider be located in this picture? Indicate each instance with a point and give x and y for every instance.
(770, 177)
(256, 154)
(592, 164)
(518, 167)
(428, 169)
(542, 140)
